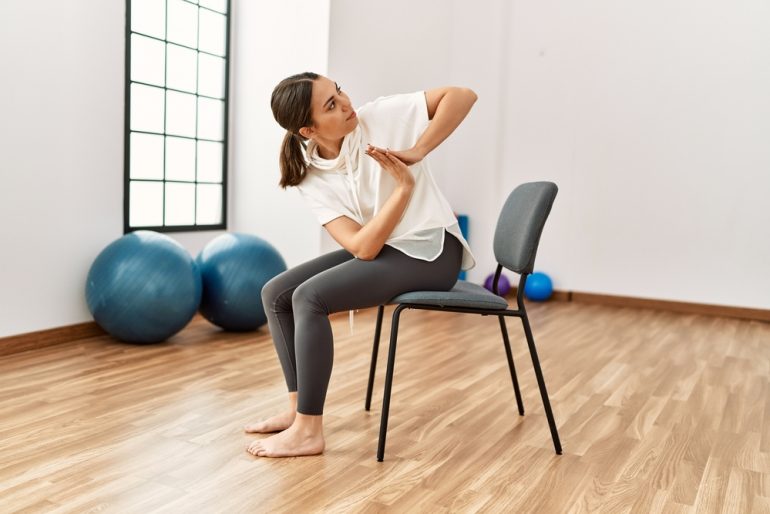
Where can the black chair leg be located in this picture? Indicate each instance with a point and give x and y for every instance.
(511, 367)
(375, 349)
(541, 384)
(388, 382)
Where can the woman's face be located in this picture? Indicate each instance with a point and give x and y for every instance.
(332, 113)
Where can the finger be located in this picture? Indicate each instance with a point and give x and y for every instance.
(393, 158)
(380, 158)
(375, 155)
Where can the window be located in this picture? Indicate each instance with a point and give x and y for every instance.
(177, 62)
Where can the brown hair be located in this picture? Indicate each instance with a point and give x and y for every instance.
(290, 103)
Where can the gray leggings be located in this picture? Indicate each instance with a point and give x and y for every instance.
(298, 303)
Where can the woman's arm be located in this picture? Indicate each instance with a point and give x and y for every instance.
(447, 108)
(366, 242)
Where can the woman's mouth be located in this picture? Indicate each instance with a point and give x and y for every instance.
(352, 115)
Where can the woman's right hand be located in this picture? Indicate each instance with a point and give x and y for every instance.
(393, 165)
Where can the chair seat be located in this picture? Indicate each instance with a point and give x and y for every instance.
(463, 294)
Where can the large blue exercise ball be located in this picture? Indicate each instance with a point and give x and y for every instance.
(234, 268)
(538, 287)
(143, 288)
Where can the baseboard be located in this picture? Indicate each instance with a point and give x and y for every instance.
(667, 305)
(50, 337)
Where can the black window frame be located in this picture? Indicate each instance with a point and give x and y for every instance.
(127, 128)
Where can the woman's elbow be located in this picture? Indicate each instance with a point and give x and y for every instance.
(471, 94)
(366, 255)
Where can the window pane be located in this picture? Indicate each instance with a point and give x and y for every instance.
(212, 32)
(146, 204)
(180, 204)
(217, 5)
(210, 119)
(211, 76)
(209, 204)
(180, 114)
(209, 161)
(149, 17)
(180, 159)
(148, 60)
(146, 108)
(183, 23)
(146, 156)
(181, 68)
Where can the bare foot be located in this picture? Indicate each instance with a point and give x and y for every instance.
(274, 424)
(289, 443)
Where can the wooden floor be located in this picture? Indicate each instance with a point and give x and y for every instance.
(658, 412)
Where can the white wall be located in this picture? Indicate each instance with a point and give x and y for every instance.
(62, 155)
(653, 119)
(61, 164)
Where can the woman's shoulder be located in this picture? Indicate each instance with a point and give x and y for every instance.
(395, 103)
(317, 182)
(395, 120)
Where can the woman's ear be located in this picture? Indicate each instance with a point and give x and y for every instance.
(306, 132)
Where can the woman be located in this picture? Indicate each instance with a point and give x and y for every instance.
(397, 231)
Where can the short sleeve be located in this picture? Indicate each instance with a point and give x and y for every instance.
(323, 206)
(396, 121)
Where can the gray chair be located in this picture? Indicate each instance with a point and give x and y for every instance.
(515, 245)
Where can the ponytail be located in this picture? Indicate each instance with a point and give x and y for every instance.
(290, 103)
(292, 161)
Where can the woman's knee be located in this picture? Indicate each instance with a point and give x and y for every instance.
(272, 290)
(306, 296)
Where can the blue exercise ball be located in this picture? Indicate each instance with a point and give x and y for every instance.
(143, 288)
(503, 285)
(538, 287)
(234, 268)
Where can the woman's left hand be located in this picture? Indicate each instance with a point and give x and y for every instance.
(408, 157)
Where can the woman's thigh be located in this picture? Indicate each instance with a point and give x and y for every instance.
(286, 282)
(357, 284)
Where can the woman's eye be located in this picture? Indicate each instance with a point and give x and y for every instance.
(331, 105)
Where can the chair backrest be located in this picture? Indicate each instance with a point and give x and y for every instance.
(521, 223)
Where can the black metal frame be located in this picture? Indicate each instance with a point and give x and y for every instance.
(501, 314)
(127, 132)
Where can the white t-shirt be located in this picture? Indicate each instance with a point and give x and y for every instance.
(354, 184)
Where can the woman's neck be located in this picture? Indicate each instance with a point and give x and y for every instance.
(329, 149)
